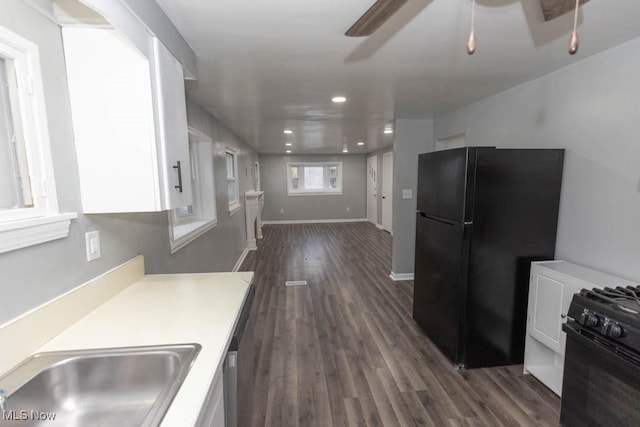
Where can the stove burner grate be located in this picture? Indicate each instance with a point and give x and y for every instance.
(620, 297)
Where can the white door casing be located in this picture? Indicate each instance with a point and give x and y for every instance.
(372, 189)
(387, 192)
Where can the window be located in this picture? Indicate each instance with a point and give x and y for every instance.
(187, 223)
(232, 180)
(314, 178)
(28, 202)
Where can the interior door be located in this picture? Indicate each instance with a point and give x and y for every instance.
(372, 189)
(387, 192)
(438, 292)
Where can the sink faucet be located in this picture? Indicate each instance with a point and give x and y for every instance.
(3, 399)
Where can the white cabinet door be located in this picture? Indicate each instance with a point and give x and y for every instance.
(212, 412)
(113, 121)
(129, 122)
(171, 127)
(549, 300)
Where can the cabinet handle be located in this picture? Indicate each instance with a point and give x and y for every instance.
(179, 168)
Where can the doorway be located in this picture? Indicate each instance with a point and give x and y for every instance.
(387, 192)
(372, 189)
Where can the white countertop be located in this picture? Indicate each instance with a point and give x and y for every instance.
(168, 309)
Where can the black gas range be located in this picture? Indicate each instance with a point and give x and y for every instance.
(601, 384)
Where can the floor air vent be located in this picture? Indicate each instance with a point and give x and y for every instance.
(295, 283)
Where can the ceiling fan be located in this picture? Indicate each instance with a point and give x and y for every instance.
(382, 10)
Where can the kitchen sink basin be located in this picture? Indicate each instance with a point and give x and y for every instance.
(130, 386)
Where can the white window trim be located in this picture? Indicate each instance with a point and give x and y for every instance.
(32, 231)
(323, 192)
(183, 231)
(234, 207)
(20, 228)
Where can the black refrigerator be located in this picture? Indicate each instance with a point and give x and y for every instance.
(484, 214)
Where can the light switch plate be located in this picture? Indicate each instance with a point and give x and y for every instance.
(407, 193)
(92, 241)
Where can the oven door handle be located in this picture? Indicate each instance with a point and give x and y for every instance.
(595, 343)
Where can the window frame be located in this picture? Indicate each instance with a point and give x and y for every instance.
(22, 227)
(325, 191)
(234, 206)
(184, 229)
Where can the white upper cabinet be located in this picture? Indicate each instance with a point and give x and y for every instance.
(130, 124)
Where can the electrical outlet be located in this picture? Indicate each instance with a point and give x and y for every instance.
(92, 243)
(407, 193)
(348, 209)
(281, 210)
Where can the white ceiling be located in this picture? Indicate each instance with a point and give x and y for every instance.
(264, 66)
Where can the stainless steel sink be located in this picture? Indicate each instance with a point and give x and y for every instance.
(131, 386)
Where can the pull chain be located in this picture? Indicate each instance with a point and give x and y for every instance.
(471, 43)
(574, 43)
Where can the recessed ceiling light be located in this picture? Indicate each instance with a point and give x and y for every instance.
(360, 143)
(339, 99)
(388, 130)
(288, 151)
(288, 144)
(345, 150)
(288, 131)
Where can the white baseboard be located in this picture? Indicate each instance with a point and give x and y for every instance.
(243, 255)
(379, 226)
(315, 221)
(398, 277)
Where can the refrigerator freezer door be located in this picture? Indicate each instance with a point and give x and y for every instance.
(439, 285)
(445, 184)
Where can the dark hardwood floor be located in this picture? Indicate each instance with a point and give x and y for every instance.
(345, 351)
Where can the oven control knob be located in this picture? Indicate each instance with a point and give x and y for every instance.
(589, 319)
(612, 330)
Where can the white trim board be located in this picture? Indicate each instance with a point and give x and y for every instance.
(315, 221)
(243, 255)
(398, 277)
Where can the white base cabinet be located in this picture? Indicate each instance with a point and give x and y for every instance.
(551, 289)
(129, 121)
(212, 414)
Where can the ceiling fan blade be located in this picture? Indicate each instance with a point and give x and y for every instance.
(551, 9)
(374, 17)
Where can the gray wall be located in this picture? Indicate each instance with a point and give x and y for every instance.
(592, 109)
(273, 180)
(34, 275)
(412, 137)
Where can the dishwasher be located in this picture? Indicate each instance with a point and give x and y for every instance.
(239, 371)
